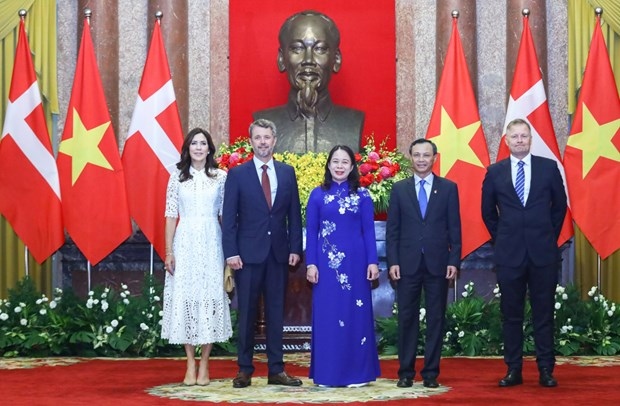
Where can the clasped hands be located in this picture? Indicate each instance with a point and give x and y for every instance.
(312, 273)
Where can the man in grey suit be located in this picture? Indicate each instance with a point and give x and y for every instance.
(261, 237)
(523, 207)
(423, 237)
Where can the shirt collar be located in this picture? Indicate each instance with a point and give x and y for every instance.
(429, 179)
(323, 108)
(526, 159)
(259, 164)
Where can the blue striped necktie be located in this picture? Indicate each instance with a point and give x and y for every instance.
(422, 198)
(520, 182)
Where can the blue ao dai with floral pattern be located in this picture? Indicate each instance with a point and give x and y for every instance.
(341, 243)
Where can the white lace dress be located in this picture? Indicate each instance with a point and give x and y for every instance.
(196, 307)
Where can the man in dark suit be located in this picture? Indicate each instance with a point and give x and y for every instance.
(423, 237)
(261, 227)
(523, 207)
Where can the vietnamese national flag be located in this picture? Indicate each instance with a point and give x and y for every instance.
(528, 101)
(91, 176)
(29, 188)
(153, 144)
(592, 156)
(456, 129)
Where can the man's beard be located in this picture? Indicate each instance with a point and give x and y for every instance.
(307, 97)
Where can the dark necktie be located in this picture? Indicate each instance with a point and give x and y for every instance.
(520, 182)
(422, 198)
(266, 185)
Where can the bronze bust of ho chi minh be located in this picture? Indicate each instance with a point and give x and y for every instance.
(309, 53)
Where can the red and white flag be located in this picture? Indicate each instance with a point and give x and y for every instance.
(29, 187)
(91, 175)
(153, 144)
(528, 101)
(456, 129)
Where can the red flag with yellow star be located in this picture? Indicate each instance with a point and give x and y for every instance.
(92, 183)
(456, 129)
(592, 156)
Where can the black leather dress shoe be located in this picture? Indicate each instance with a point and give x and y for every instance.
(405, 382)
(512, 378)
(242, 380)
(283, 379)
(431, 383)
(546, 379)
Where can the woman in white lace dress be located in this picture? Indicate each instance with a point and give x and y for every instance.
(196, 307)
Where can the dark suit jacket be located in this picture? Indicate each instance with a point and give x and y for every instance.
(439, 233)
(532, 231)
(249, 228)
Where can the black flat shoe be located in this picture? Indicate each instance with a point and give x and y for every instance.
(405, 382)
(431, 383)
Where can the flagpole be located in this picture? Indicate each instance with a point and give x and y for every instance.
(598, 272)
(88, 273)
(26, 260)
(151, 265)
(598, 11)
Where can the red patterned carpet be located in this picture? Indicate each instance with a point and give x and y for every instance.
(465, 381)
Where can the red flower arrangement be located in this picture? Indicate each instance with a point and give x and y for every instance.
(379, 170)
(237, 153)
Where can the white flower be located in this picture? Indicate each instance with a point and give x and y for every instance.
(465, 294)
(23, 322)
(422, 313)
(53, 304)
(104, 305)
(448, 333)
(90, 293)
(592, 291)
(123, 294)
(89, 303)
(610, 313)
(3, 316)
(126, 301)
(564, 296)
(18, 309)
(22, 304)
(120, 317)
(461, 334)
(156, 298)
(359, 303)
(559, 289)
(106, 290)
(558, 305)
(161, 313)
(39, 301)
(160, 322)
(149, 316)
(114, 323)
(123, 286)
(42, 312)
(596, 298)
(96, 301)
(109, 329)
(144, 326)
(104, 295)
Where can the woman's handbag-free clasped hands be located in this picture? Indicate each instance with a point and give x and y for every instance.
(229, 279)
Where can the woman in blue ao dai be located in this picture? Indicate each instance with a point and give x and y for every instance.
(341, 258)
